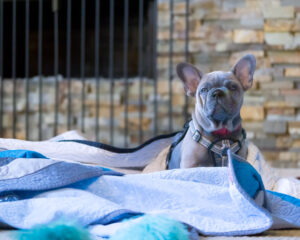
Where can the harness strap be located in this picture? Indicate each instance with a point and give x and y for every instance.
(176, 142)
(211, 146)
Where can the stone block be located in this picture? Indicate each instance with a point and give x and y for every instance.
(104, 111)
(278, 25)
(134, 123)
(296, 42)
(278, 12)
(237, 55)
(281, 111)
(178, 100)
(262, 78)
(179, 24)
(178, 46)
(296, 143)
(253, 126)
(277, 85)
(179, 8)
(284, 142)
(163, 6)
(270, 156)
(205, 4)
(163, 20)
(284, 57)
(292, 72)
(223, 15)
(295, 3)
(252, 21)
(284, 118)
(263, 75)
(196, 46)
(265, 143)
(296, 25)
(255, 113)
(289, 156)
(233, 4)
(207, 60)
(253, 4)
(279, 38)
(253, 100)
(163, 61)
(294, 128)
(177, 87)
(277, 104)
(290, 92)
(294, 100)
(222, 47)
(275, 127)
(248, 36)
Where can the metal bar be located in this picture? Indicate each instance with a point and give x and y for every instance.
(111, 68)
(40, 66)
(68, 62)
(187, 13)
(155, 64)
(27, 15)
(141, 62)
(125, 69)
(171, 64)
(56, 64)
(82, 64)
(14, 32)
(97, 28)
(1, 69)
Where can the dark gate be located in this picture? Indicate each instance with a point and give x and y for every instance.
(83, 39)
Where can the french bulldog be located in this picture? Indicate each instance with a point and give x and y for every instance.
(219, 97)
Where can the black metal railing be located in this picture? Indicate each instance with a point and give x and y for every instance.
(63, 59)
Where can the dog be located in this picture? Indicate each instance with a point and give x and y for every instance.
(216, 122)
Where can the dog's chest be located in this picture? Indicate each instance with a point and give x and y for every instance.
(194, 154)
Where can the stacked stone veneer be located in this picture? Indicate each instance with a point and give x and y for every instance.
(48, 108)
(221, 31)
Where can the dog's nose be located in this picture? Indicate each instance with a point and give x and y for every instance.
(218, 93)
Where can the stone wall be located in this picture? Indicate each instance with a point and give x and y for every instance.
(221, 31)
(48, 109)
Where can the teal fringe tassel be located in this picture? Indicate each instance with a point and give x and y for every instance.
(148, 227)
(54, 231)
(151, 227)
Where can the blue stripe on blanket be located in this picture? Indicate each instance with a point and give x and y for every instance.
(54, 176)
(8, 197)
(246, 174)
(287, 198)
(21, 154)
(5, 160)
(116, 216)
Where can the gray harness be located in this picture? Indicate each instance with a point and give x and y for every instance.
(217, 152)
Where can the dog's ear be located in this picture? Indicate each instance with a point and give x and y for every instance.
(244, 70)
(190, 76)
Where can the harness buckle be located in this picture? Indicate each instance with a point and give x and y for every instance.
(225, 146)
(197, 136)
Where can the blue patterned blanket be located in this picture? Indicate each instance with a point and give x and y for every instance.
(39, 187)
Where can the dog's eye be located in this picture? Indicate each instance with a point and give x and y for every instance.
(204, 90)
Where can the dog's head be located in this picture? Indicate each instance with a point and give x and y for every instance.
(219, 95)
